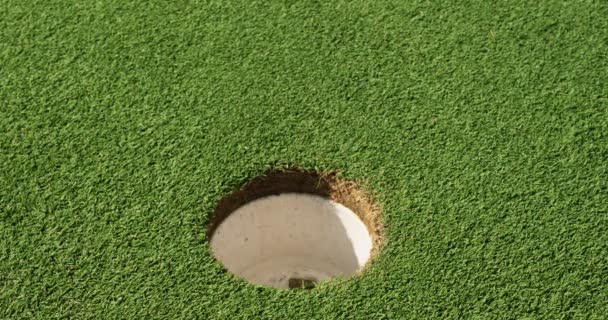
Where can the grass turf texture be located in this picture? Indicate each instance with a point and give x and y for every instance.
(482, 129)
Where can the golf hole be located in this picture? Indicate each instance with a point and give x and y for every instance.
(292, 229)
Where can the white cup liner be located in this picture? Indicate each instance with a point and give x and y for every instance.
(277, 239)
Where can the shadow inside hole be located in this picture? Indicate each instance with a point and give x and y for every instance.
(297, 283)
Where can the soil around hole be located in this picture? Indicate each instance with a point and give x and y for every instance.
(329, 185)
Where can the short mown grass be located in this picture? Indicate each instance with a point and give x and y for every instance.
(481, 128)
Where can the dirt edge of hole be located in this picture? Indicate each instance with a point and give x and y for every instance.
(329, 185)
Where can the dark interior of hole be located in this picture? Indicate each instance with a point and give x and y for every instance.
(302, 283)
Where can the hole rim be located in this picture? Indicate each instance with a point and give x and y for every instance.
(330, 185)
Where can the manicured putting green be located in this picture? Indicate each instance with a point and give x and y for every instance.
(479, 128)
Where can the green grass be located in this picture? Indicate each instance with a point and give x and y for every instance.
(482, 129)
